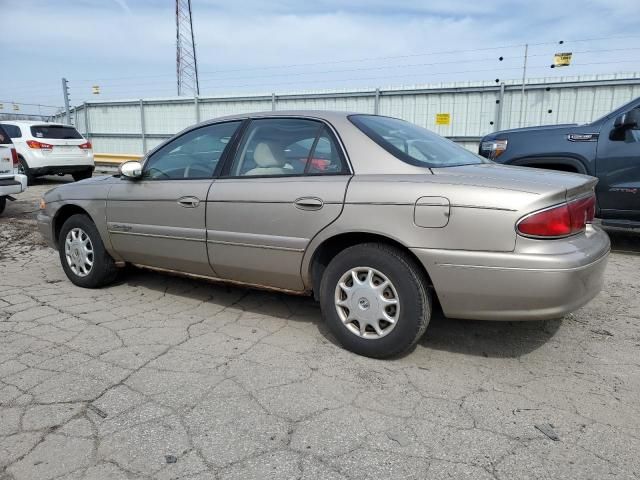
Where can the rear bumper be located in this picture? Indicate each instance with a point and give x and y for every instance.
(60, 169)
(541, 279)
(12, 185)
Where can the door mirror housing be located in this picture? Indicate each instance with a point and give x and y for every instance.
(630, 119)
(131, 169)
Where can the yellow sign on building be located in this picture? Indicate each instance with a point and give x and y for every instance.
(443, 119)
(562, 59)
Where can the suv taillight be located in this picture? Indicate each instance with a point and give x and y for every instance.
(39, 145)
(14, 157)
(85, 146)
(559, 221)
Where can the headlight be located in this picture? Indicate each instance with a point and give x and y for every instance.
(493, 148)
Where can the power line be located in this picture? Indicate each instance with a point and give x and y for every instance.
(29, 104)
(127, 85)
(331, 62)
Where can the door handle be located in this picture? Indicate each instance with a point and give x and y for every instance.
(189, 202)
(309, 203)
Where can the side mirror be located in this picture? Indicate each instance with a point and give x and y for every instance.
(131, 169)
(630, 119)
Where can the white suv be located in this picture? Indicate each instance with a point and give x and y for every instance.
(50, 149)
(10, 181)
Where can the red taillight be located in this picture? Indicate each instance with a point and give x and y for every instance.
(559, 221)
(85, 146)
(39, 145)
(14, 157)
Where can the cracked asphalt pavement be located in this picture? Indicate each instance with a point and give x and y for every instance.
(159, 377)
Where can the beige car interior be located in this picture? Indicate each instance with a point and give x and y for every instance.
(270, 160)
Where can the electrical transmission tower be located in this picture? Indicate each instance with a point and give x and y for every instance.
(186, 63)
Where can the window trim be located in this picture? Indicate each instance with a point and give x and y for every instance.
(216, 171)
(332, 132)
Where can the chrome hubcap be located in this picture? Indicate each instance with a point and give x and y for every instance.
(78, 250)
(367, 303)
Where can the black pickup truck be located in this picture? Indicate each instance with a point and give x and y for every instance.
(607, 148)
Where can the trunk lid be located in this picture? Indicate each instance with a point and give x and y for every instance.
(550, 184)
(64, 139)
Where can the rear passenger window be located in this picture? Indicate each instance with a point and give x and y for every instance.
(326, 157)
(12, 130)
(276, 147)
(4, 138)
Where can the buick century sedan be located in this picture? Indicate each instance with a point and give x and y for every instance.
(375, 217)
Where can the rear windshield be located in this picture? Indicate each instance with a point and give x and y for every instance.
(4, 138)
(12, 130)
(413, 144)
(56, 132)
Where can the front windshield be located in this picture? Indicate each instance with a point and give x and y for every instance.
(413, 144)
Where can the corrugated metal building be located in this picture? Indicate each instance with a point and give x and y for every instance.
(474, 109)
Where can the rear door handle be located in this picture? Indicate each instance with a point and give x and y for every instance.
(309, 203)
(189, 202)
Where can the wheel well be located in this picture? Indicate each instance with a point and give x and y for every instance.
(334, 245)
(562, 167)
(62, 215)
(568, 164)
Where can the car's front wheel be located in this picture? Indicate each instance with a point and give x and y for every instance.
(374, 300)
(82, 253)
(3, 204)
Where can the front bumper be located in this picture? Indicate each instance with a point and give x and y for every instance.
(12, 185)
(541, 279)
(46, 228)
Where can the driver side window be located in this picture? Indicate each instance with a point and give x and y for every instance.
(192, 155)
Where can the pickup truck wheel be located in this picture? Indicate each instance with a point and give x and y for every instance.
(82, 254)
(3, 204)
(23, 169)
(77, 176)
(374, 300)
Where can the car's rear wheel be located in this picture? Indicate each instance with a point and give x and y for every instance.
(3, 204)
(82, 253)
(77, 176)
(374, 300)
(23, 169)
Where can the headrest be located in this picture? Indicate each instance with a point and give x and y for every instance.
(268, 154)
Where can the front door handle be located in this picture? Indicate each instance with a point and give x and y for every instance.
(309, 203)
(189, 202)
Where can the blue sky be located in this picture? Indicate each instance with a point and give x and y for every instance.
(255, 46)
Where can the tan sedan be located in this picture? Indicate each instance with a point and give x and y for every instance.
(374, 216)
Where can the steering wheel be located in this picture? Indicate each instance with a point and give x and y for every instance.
(202, 167)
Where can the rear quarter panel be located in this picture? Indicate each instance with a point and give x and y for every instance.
(480, 218)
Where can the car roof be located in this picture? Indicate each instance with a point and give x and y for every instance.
(327, 115)
(29, 123)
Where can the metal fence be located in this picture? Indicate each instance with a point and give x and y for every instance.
(463, 112)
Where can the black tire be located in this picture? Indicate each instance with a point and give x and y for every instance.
(24, 169)
(103, 271)
(83, 175)
(411, 288)
(3, 204)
